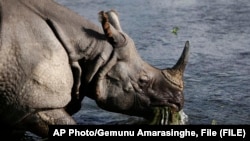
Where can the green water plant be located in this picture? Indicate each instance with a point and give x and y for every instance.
(175, 30)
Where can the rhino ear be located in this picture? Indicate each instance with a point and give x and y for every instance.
(114, 19)
(112, 28)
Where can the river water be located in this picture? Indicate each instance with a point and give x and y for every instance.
(217, 77)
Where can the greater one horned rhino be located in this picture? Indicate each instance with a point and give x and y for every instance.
(51, 58)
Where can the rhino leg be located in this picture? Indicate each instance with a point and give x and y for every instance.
(75, 103)
(77, 73)
(38, 123)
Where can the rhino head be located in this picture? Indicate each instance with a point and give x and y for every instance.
(127, 84)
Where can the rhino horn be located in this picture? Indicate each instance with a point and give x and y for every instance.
(112, 28)
(175, 74)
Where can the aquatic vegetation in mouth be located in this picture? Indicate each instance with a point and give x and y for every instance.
(166, 116)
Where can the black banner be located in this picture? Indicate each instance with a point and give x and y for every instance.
(239, 132)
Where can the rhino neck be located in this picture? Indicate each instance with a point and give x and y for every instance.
(81, 41)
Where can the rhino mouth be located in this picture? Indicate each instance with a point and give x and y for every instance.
(174, 105)
(167, 116)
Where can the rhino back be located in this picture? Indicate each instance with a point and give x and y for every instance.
(34, 67)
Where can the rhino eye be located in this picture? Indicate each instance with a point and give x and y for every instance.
(143, 80)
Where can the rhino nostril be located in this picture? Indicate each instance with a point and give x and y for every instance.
(179, 105)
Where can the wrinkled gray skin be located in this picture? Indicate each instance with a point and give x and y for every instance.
(50, 58)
